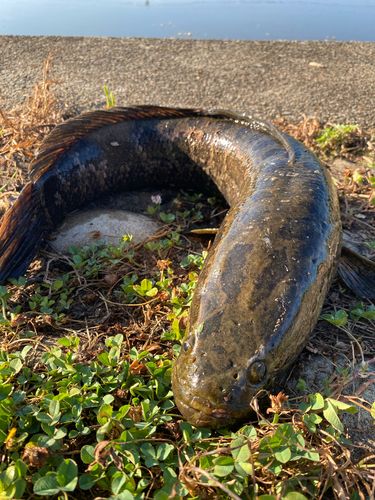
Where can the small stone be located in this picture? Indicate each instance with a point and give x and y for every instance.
(316, 65)
(85, 228)
(111, 279)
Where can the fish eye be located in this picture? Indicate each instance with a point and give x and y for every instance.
(186, 346)
(257, 372)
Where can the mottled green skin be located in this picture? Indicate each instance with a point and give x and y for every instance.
(261, 289)
(265, 278)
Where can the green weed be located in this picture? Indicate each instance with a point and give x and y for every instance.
(332, 138)
(104, 420)
(162, 246)
(124, 441)
(8, 181)
(109, 97)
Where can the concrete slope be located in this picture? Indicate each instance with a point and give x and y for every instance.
(265, 78)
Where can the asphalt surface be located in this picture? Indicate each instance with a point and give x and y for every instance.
(265, 78)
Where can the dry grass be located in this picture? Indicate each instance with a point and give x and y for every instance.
(23, 130)
(305, 131)
(355, 145)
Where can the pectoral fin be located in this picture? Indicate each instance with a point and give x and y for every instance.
(357, 272)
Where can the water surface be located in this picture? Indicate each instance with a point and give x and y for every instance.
(214, 19)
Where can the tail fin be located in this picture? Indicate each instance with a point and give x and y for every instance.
(358, 273)
(21, 233)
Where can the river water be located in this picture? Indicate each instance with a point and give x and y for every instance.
(211, 19)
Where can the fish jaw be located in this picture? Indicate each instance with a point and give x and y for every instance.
(215, 403)
(199, 411)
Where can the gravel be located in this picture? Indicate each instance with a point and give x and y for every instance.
(265, 78)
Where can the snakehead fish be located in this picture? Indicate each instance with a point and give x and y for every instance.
(264, 281)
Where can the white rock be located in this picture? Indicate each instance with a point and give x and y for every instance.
(85, 228)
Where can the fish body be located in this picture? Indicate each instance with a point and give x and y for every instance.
(262, 286)
(260, 294)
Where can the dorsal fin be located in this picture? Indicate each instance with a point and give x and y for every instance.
(64, 136)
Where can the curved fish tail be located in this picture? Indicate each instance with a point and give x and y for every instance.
(21, 232)
(358, 273)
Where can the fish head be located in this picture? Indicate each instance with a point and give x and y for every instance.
(213, 385)
(243, 346)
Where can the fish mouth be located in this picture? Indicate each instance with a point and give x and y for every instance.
(197, 410)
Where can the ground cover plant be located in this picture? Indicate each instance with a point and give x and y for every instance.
(88, 342)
